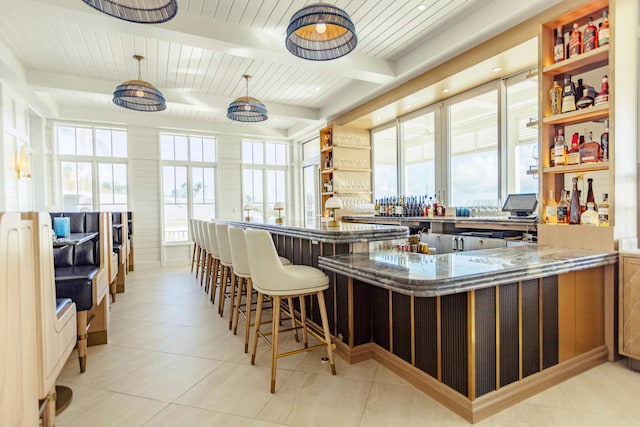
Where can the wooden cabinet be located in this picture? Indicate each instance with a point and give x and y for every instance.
(590, 67)
(629, 310)
(345, 168)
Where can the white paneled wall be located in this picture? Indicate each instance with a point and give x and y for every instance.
(229, 185)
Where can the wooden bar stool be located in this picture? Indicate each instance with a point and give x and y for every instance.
(226, 262)
(214, 259)
(271, 278)
(192, 236)
(242, 271)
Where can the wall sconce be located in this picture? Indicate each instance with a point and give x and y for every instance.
(247, 212)
(332, 204)
(278, 206)
(22, 162)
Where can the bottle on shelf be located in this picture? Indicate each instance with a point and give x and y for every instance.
(603, 32)
(590, 197)
(551, 209)
(558, 47)
(585, 100)
(583, 205)
(556, 98)
(377, 208)
(590, 151)
(603, 95)
(589, 216)
(575, 41)
(603, 211)
(560, 149)
(590, 37)
(563, 208)
(604, 142)
(574, 208)
(568, 95)
(573, 154)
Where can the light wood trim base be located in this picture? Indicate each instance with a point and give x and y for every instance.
(354, 355)
(490, 403)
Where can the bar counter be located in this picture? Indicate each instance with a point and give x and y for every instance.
(321, 232)
(432, 275)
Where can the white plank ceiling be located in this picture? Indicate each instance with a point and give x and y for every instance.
(74, 56)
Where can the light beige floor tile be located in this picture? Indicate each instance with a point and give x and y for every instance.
(233, 388)
(259, 423)
(317, 400)
(384, 375)
(400, 404)
(312, 363)
(526, 414)
(185, 416)
(93, 407)
(142, 373)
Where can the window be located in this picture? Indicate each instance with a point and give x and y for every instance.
(93, 168)
(188, 182)
(385, 167)
(418, 152)
(522, 140)
(264, 177)
(473, 133)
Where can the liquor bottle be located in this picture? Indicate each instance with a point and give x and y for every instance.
(603, 33)
(442, 209)
(560, 149)
(574, 208)
(603, 96)
(590, 39)
(585, 100)
(583, 205)
(590, 198)
(575, 41)
(436, 202)
(590, 151)
(563, 208)
(603, 211)
(558, 47)
(579, 89)
(377, 208)
(604, 142)
(573, 154)
(590, 216)
(555, 94)
(551, 209)
(568, 95)
(431, 212)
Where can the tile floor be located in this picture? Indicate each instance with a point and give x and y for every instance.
(171, 361)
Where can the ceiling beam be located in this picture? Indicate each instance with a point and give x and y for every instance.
(64, 83)
(232, 39)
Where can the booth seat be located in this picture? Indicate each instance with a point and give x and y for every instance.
(119, 223)
(82, 273)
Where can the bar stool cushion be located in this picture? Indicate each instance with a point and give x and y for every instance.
(61, 303)
(222, 235)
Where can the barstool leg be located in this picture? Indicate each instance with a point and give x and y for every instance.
(214, 282)
(207, 280)
(193, 256)
(199, 250)
(236, 310)
(325, 326)
(232, 298)
(223, 289)
(274, 342)
(292, 313)
(247, 325)
(256, 329)
(303, 318)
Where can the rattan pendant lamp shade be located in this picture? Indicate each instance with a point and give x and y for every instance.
(246, 108)
(320, 32)
(139, 95)
(140, 11)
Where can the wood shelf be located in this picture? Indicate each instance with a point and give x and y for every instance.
(324, 171)
(330, 193)
(578, 63)
(588, 114)
(353, 192)
(355, 147)
(351, 170)
(329, 148)
(584, 167)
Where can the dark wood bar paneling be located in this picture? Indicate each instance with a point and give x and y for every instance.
(509, 335)
(362, 315)
(485, 329)
(426, 330)
(455, 351)
(401, 320)
(342, 307)
(530, 328)
(288, 247)
(549, 321)
(297, 250)
(380, 316)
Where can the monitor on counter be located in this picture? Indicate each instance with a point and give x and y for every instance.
(521, 205)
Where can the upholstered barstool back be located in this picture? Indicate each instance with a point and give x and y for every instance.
(222, 233)
(273, 279)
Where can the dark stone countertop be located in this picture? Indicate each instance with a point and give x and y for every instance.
(432, 275)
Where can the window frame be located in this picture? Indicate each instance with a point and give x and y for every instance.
(264, 167)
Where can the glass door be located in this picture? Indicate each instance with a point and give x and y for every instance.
(310, 184)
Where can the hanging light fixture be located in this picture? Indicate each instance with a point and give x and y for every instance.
(321, 32)
(140, 11)
(247, 109)
(139, 95)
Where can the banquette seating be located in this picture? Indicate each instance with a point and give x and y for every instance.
(37, 329)
(81, 273)
(120, 230)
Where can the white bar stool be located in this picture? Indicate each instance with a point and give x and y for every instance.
(222, 235)
(271, 278)
(212, 277)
